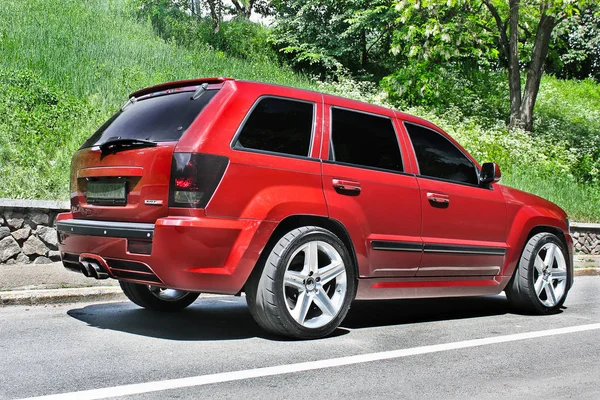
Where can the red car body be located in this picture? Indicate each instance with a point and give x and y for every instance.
(402, 242)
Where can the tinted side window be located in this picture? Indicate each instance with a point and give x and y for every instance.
(438, 157)
(278, 125)
(364, 139)
(161, 118)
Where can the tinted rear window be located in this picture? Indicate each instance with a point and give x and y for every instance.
(162, 118)
(364, 139)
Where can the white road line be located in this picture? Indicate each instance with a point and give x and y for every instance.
(170, 384)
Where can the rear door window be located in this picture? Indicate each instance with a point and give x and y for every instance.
(278, 125)
(161, 118)
(438, 157)
(364, 140)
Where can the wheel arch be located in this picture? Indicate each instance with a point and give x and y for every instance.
(544, 228)
(548, 229)
(295, 221)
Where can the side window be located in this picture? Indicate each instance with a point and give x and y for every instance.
(438, 157)
(364, 139)
(278, 125)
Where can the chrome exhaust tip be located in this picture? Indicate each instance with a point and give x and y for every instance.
(84, 267)
(97, 271)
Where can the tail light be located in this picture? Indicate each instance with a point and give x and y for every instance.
(194, 178)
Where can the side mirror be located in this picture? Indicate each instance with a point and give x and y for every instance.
(490, 173)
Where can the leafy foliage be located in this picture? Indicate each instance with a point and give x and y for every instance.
(330, 38)
(576, 53)
(174, 21)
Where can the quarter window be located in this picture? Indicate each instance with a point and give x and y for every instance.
(364, 139)
(278, 125)
(438, 157)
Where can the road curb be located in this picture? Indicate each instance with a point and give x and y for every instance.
(60, 296)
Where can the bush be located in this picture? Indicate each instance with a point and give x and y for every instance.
(237, 38)
(40, 127)
(472, 90)
(242, 39)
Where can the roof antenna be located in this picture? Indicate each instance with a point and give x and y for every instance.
(201, 90)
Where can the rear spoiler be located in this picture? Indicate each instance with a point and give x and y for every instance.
(176, 84)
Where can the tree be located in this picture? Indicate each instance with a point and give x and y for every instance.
(328, 36)
(516, 33)
(576, 51)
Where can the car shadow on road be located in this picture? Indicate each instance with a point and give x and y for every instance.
(366, 314)
(228, 318)
(224, 318)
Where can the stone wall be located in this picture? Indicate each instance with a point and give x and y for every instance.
(586, 238)
(27, 231)
(28, 234)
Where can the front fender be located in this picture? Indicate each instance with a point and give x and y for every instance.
(525, 222)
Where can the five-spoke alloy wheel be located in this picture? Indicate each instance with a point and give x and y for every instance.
(541, 281)
(306, 286)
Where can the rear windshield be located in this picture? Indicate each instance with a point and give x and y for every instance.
(163, 118)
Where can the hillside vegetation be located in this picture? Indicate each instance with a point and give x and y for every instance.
(66, 65)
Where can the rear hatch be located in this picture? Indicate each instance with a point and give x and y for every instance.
(121, 173)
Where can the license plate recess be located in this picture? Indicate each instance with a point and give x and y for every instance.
(110, 193)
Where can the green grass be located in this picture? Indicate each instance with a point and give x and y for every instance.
(66, 65)
(90, 48)
(582, 202)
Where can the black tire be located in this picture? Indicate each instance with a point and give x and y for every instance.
(143, 296)
(269, 301)
(521, 290)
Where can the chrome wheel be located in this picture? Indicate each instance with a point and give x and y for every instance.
(167, 294)
(550, 274)
(315, 284)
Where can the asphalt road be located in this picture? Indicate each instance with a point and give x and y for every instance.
(436, 349)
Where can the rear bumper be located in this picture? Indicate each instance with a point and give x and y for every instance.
(211, 255)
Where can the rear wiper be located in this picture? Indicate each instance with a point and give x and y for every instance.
(117, 144)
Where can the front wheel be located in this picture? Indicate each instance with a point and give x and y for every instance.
(306, 286)
(156, 298)
(540, 282)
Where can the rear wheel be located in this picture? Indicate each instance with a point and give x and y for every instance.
(306, 286)
(156, 298)
(540, 282)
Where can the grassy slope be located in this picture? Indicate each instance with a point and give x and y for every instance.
(89, 48)
(65, 65)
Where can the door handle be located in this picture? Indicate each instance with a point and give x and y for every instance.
(349, 186)
(438, 198)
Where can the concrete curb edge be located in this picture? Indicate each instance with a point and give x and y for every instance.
(60, 296)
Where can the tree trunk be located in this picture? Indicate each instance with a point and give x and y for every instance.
(215, 7)
(514, 75)
(363, 43)
(243, 10)
(536, 69)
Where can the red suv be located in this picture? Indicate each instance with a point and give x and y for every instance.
(304, 202)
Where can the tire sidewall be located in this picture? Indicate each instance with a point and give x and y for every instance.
(323, 235)
(548, 238)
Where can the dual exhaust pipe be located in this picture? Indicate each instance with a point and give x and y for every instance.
(92, 269)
